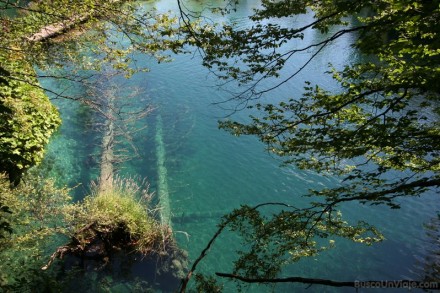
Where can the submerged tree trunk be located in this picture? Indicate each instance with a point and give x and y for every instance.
(56, 29)
(105, 234)
(162, 185)
(107, 156)
(59, 28)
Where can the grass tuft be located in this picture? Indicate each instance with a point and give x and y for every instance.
(120, 216)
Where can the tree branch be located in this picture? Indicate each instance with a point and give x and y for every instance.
(222, 226)
(421, 183)
(331, 283)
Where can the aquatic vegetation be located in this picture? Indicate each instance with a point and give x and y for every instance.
(117, 225)
(119, 218)
(106, 228)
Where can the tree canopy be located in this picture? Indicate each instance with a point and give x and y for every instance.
(377, 112)
(85, 36)
(379, 131)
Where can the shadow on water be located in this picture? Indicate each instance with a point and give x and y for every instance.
(123, 273)
(427, 267)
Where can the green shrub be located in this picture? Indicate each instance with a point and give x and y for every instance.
(34, 216)
(27, 118)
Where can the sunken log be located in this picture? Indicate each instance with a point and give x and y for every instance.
(56, 29)
(107, 155)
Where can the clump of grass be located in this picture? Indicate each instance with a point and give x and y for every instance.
(120, 218)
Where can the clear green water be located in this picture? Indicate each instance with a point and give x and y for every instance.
(209, 172)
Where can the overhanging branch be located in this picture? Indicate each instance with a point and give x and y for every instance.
(222, 226)
(422, 183)
(331, 283)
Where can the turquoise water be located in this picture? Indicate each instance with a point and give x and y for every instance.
(208, 172)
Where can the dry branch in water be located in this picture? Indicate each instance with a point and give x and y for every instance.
(57, 29)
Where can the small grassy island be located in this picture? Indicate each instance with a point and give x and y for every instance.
(117, 223)
(116, 220)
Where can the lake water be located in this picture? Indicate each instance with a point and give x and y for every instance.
(207, 172)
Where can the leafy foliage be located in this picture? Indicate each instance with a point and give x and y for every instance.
(5, 211)
(288, 236)
(103, 32)
(41, 217)
(379, 132)
(270, 242)
(27, 120)
(377, 113)
(52, 35)
(86, 36)
(35, 214)
(376, 118)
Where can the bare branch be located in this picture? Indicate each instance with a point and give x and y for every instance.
(315, 281)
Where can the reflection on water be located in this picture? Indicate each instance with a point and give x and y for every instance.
(124, 273)
(427, 266)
